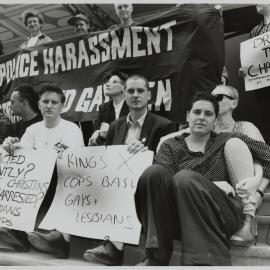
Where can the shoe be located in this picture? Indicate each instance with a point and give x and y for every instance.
(243, 239)
(15, 239)
(106, 253)
(52, 242)
(151, 261)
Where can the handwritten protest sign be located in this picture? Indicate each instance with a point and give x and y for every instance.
(95, 193)
(24, 180)
(255, 60)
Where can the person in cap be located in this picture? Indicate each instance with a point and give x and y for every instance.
(81, 24)
(34, 21)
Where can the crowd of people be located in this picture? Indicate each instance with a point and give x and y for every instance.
(205, 184)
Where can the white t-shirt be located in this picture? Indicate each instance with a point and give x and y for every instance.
(38, 136)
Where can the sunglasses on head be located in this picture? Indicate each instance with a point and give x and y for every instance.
(220, 97)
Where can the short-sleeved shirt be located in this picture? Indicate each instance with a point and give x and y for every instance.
(174, 155)
(37, 136)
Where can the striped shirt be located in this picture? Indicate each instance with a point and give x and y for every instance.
(259, 29)
(174, 155)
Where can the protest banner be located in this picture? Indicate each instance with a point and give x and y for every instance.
(95, 193)
(255, 60)
(24, 180)
(179, 51)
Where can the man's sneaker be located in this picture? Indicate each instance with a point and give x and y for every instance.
(106, 253)
(15, 239)
(52, 242)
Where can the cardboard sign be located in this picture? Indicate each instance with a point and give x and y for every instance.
(95, 193)
(24, 180)
(255, 60)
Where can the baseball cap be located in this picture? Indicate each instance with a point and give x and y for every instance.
(80, 16)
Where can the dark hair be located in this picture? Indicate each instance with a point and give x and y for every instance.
(27, 92)
(122, 76)
(207, 97)
(136, 76)
(32, 13)
(53, 89)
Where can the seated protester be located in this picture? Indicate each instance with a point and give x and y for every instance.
(6, 129)
(140, 129)
(59, 134)
(24, 103)
(34, 23)
(250, 191)
(186, 194)
(111, 110)
(228, 99)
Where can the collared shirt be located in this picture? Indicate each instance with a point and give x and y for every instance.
(134, 129)
(259, 29)
(174, 155)
(34, 41)
(117, 108)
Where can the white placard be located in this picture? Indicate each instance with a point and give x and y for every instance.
(95, 193)
(255, 60)
(24, 180)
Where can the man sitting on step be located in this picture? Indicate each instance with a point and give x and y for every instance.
(140, 129)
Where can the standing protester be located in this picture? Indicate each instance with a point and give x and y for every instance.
(140, 130)
(124, 13)
(56, 133)
(81, 24)
(34, 23)
(115, 108)
(261, 96)
(186, 195)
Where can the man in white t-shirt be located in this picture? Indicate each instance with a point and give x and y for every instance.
(59, 134)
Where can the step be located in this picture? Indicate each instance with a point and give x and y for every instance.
(258, 255)
(34, 258)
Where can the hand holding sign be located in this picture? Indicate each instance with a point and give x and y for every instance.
(255, 62)
(95, 193)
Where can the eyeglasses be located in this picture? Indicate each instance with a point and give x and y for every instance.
(220, 97)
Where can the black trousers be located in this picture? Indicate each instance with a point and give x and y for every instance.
(190, 208)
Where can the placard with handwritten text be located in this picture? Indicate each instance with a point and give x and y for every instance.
(95, 193)
(24, 181)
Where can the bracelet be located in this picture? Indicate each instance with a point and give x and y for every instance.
(261, 193)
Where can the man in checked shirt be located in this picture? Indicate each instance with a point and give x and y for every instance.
(186, 194)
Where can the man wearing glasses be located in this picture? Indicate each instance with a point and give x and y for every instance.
(141, 130)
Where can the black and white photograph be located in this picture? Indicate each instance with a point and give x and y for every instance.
(134, 134)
